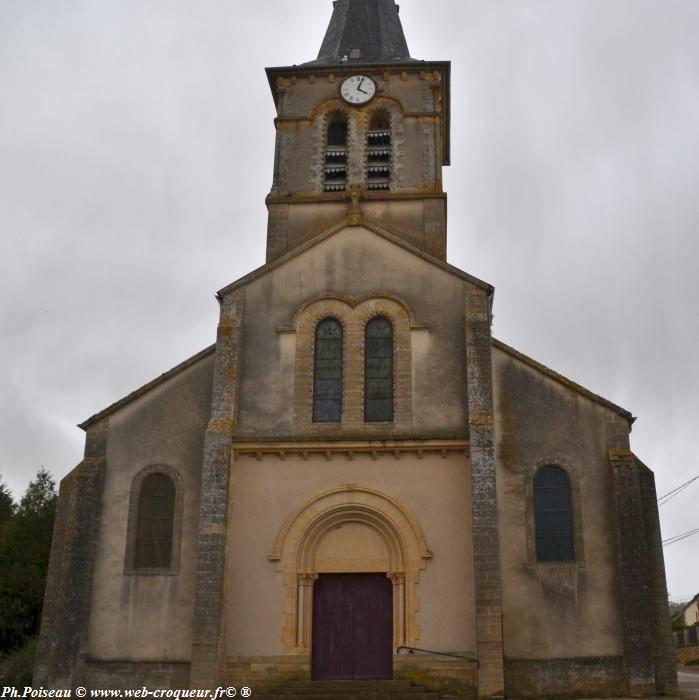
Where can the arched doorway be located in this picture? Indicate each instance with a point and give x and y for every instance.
(352, 552)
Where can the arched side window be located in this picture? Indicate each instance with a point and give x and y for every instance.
(327, 375)
(378, 370)
(553, 516)
(379, 151)
(335, 160)
(156, 519)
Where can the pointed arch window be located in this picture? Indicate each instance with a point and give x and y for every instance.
(553, 516)
(155, 526)
(335, 159)
(378, 370)
(327, 375)
(379, 151)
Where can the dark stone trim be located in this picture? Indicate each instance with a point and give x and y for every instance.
(486, 542)
(209, 610)
(63, 638)
(598, 676)
(132, 526)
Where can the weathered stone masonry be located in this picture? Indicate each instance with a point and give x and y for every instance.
(486, 549)
(211, 555)
(62, 646)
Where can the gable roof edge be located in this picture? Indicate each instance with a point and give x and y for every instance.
(328, 233)
(569, 383)
(113, 408)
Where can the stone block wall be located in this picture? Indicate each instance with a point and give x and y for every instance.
(124, 675)
(602, 676)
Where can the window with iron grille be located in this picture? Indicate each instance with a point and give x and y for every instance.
(378, 370)
(553, 518)
(335, 158)
(379, 151)
(156, 516)
(327, 375)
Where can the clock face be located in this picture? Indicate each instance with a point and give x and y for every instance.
(358, 89)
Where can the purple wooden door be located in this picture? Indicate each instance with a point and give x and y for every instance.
(352, 627)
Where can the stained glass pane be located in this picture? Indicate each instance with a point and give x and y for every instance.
(553, 516)
(378, 371)
(156, 515)
(327, 379)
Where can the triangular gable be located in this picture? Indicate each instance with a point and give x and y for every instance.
(329, 233)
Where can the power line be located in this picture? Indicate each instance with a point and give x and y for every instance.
(679, 538)
(675, 492)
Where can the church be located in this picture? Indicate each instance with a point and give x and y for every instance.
(357, 484)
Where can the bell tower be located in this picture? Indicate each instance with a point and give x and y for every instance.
(362, 135)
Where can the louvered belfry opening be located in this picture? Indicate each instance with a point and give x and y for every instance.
(336, 154)
(379, 151)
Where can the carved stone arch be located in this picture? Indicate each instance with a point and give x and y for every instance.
(133, 515)
(302, 534)
(571, 471)
(353, 303)
(354, 315)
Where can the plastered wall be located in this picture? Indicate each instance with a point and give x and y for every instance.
(554, 611)
(354, 263)
(146, 617)
(264, 492)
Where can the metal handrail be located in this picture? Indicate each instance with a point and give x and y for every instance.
(412, 650)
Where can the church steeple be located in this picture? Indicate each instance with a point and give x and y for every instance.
(362, 135)
(366, 31)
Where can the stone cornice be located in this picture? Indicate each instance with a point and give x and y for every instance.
(397, 448)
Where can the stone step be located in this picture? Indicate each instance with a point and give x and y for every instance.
(349, 690)
(366, 695)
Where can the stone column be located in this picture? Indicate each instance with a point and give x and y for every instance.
(486, 543)
(65, 622)
(213, 509)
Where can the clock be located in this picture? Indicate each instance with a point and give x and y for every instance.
(358, 89)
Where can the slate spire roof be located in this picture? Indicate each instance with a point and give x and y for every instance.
(364, 31)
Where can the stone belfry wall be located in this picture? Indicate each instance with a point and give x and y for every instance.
(362, 39)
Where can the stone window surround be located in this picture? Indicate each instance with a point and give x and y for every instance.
(576, 513)
(353, 315)
(132, 525)
(300, 535)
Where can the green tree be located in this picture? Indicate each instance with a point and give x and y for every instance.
(25, 544)
(7, 505)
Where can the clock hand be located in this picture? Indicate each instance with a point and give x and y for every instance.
(359, 87)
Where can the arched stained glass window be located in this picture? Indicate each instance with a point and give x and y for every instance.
(378, 370)
(327, 377)
(156, 517)
(553, 518)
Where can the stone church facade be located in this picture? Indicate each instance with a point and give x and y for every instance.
(357, 480)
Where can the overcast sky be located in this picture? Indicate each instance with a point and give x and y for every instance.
(136, 149)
